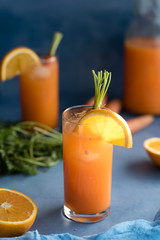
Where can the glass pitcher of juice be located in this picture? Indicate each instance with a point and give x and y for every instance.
(142, 59)
(39, 92)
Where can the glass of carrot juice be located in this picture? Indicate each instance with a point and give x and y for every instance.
(87, 163)
(89, 133)
(39, 92)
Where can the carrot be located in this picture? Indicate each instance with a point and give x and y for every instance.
(91, 101)
(138, 123)
(115, 105)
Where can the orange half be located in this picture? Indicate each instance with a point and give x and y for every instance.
(17, 213)
(16, 61)
(152, 146)
(107, 125)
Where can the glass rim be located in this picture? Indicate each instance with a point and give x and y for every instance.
(48, 60)
(77, 107)
(41, 52)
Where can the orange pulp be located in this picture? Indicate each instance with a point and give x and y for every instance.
(39, 94)
(142, 75)
(87, 172)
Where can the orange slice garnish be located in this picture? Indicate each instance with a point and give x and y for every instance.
(16, 61)
(107, 125)
(152, 146)
(17, 213)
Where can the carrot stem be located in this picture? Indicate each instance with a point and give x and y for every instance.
(138, 123)
(115, 105)
(101, 82)
(55, 43)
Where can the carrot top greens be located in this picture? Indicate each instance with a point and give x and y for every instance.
(101, 82)
(55, 43)
(26, 146)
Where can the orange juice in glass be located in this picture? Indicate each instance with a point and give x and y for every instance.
(89, 133)
(39, 88)
(39, 92)
(87, 170)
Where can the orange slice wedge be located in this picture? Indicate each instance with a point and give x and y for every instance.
(107, 125)
(152, 146)
(16, 61)
(17, 213)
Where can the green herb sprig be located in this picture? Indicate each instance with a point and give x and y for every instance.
(55, 43)
(101, 82)
(28, 145)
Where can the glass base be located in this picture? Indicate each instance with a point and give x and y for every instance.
(85, 218)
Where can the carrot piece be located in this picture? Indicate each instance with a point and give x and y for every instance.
(115, 105)
(91, 101)
(138, 123)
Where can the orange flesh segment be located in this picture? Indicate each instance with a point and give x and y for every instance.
(14, 207)
(155, 145)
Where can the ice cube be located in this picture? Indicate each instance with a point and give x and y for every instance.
(40, 72)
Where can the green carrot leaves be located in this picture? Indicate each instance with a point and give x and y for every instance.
(55, 43)
(28, 145)
(101, 82)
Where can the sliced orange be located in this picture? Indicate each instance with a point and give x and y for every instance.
(107, 125)
(16, 61)
(17, 213)
(152, 146)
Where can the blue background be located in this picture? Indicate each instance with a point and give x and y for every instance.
(93, 39)
(94, 32)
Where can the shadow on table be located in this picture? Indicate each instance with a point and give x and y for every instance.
(144, 169)
(52, 221)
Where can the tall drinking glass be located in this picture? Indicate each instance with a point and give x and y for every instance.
(87, 163)
(39, 92)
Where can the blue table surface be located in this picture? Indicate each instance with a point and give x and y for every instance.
(135, 190)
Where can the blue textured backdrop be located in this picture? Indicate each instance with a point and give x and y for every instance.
(93, 39)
